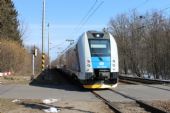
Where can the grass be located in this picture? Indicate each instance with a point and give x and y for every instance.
(15, 80)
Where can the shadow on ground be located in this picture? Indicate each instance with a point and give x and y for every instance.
(54, 78)
(42, 106)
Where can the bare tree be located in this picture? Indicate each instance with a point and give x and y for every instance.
(143, 43)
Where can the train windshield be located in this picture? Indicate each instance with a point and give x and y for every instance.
(99, 47)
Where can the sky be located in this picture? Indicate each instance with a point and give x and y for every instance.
(65, 18)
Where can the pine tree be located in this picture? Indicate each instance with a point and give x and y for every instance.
(9, 24)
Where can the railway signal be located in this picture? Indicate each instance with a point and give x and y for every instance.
(34, 54)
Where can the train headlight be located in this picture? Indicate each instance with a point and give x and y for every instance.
(88, 61)
(97, 35)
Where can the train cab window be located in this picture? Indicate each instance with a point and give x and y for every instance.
(99, 47)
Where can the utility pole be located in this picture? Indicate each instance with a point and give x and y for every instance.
(43, 36)
(49, 62)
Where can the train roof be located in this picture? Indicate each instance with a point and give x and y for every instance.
(97, 34)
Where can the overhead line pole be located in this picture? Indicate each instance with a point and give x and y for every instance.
(43, 36)
(49, 62)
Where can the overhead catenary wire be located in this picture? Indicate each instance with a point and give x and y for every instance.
(141, 4)
(101, 3)
(145, 2)
(88, 12)
(90, 15)
(86, 18)
(152, 16)
(83, 19)
(58, 45)
(162, 10)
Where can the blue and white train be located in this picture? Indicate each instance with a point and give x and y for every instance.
(93, 60)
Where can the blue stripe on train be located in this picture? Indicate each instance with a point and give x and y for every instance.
(101, 62)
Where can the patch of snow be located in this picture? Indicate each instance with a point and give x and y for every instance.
(49, 101)
(149, 76)
(51, 110)
(146, 76)
(129, 75)
(16, 100)
(1, 74)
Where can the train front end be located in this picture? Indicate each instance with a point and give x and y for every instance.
(101, 61)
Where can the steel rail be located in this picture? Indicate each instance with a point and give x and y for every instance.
(144, 105)
(140, 83)
(107, 102)
(143, 80)
(129, 82)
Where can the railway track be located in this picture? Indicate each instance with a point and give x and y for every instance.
(139, 83)
(143, 80)
(129, 82)
(127, 107)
